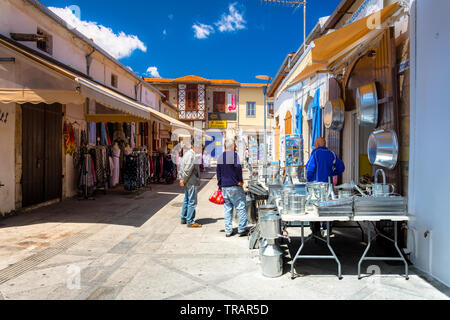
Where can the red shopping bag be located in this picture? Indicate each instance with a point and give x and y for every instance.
(217, 198)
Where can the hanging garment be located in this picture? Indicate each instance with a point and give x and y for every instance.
(103, 138)
(133, 135)
(130, 173)
(92, 133)
(115, 167)
(69, 139)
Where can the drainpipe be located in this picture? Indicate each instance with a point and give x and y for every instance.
(89, 61)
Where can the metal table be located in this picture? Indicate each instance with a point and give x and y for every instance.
(375, 218)
(314, 218)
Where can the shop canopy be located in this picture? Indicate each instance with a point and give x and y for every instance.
(329, 48)
(28, 78)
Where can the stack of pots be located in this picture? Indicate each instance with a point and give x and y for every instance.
(271, 254)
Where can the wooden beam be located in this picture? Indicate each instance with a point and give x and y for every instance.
(28, 37)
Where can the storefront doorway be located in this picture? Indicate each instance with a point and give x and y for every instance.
(41, 153)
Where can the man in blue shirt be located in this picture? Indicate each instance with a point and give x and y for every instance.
(322, 165)
(231, 182)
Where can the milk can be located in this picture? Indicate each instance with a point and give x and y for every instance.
(272, 261)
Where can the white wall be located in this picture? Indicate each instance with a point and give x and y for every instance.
(7, 158)
(429, 182)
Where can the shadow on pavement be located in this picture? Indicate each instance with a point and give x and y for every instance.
(117, 207)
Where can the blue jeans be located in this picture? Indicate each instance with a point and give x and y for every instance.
(189, 204)
(235, 198)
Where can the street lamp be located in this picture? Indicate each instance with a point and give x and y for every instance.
(268, 79)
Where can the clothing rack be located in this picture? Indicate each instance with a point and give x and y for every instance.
(89, 180)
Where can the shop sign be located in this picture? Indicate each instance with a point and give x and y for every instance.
(221, 116)
(367, 8)
(217, 124)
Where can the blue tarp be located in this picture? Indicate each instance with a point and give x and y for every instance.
(317, 118)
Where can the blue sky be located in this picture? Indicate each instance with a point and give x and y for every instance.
(232, 39)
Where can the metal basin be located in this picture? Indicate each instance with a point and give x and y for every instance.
(367, 105)
(334, 114)
(383, 149)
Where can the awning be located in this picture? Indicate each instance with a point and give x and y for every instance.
(22, 96)
(329, 48)
(112, 99)
(28, 78)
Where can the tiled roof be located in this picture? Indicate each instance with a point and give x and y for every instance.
(225, 82)
(192, 78)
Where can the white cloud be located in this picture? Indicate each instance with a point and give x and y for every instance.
(202, 31)
(164, 32)
(118, 45)
(232, 21)
(153, 72)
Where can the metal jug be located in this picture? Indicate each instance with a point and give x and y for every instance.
(272, 261)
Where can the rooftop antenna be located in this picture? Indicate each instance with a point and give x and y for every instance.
(296, 4)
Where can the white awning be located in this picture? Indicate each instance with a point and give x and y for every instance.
(112, 99)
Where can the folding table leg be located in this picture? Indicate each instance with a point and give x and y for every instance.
(369, 243)
(399, 251)
(299, 251)
(332, 252)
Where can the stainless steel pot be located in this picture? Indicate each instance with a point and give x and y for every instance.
(272, 261)
(383, 149)
(270, 226)
(367, 105)
(334, 114)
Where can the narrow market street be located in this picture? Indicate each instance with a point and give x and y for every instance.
(132, 246)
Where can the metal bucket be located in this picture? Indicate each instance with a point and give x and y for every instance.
(267, 210)
(383, 149)
(272, 261)
(270, 226)
(297, 204)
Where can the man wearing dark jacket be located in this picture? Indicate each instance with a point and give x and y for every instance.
(231, 182)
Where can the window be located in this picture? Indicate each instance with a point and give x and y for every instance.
(270, 110)
(251, 109)
(114, 80)
(45, 41)
(166, 93)
(191, 98)
(219, 102)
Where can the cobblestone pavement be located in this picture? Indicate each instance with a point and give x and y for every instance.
(132, 246)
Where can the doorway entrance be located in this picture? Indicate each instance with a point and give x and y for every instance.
(41, 153)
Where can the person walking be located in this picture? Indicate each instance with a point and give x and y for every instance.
(322, 165)
(231, 182)
(189, 180)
